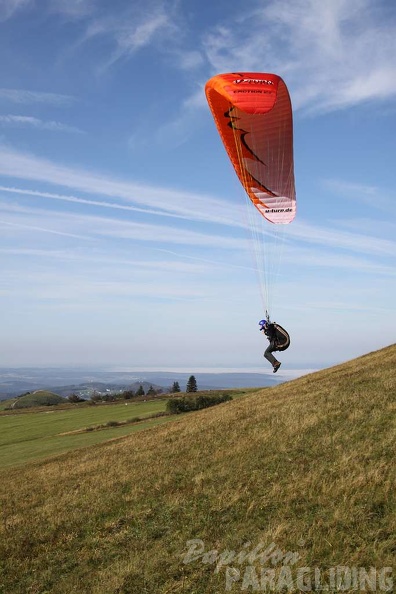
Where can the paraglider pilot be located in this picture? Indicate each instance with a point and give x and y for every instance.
(279, 340)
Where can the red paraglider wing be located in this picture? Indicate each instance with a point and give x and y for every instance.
(253, 115)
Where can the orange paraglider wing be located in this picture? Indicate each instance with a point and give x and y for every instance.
(253, 115)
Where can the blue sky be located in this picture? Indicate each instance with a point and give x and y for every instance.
(123, 234)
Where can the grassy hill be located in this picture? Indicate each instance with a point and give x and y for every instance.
(38, 398)
(304, 470)
(37, 433)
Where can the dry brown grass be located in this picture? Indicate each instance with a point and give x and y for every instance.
(308, 465)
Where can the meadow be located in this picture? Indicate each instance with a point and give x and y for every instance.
(303, 472)
(38, 433)
(32, 435)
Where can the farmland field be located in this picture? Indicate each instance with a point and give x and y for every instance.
(32, 435)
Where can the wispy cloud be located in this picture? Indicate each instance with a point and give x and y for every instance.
(84, 201)
(132, 30)
(160, 201)
(29, 97)
(184, 204)
(91, 226)
(341, 240)
(306, 42)
(331, 258)
(32, 122)
(91, 287)
(72, 8)
(9, 7)
(373, 196)
(114, 259)
(334, 244)
(183, 126)
(32, 227)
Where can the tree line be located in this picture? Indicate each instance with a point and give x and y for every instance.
(191, 386)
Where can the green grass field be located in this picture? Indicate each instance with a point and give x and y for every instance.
(38, 433)
(34, 435)
(305, 469)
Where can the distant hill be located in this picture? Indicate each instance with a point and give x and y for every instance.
(14, 381)
(302, 472)
(86, 390)
(38, 398)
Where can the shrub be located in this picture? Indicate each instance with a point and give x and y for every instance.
(128, 394)
(75, 398)
(187, 404)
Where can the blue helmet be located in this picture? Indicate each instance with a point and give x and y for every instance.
(262, 324)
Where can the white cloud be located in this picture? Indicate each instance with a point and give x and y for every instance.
(183, 126)
(32, 122)
(178, 203)
(322, 259)
(332, 54)
(132, 30)
(341, 240)
(25, 96)
(91, 226)
(10, 7)
(29, 226)
(85, 287)
(82, 201)
(111, 260)
(375, 197)
(161, 201)
(189, 60)
(72, 8)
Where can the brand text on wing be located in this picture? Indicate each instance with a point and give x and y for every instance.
(259, 81)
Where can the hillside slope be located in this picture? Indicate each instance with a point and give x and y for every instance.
(39, 398)
(307, 465)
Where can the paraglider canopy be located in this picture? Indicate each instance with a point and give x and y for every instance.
(253, 115)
